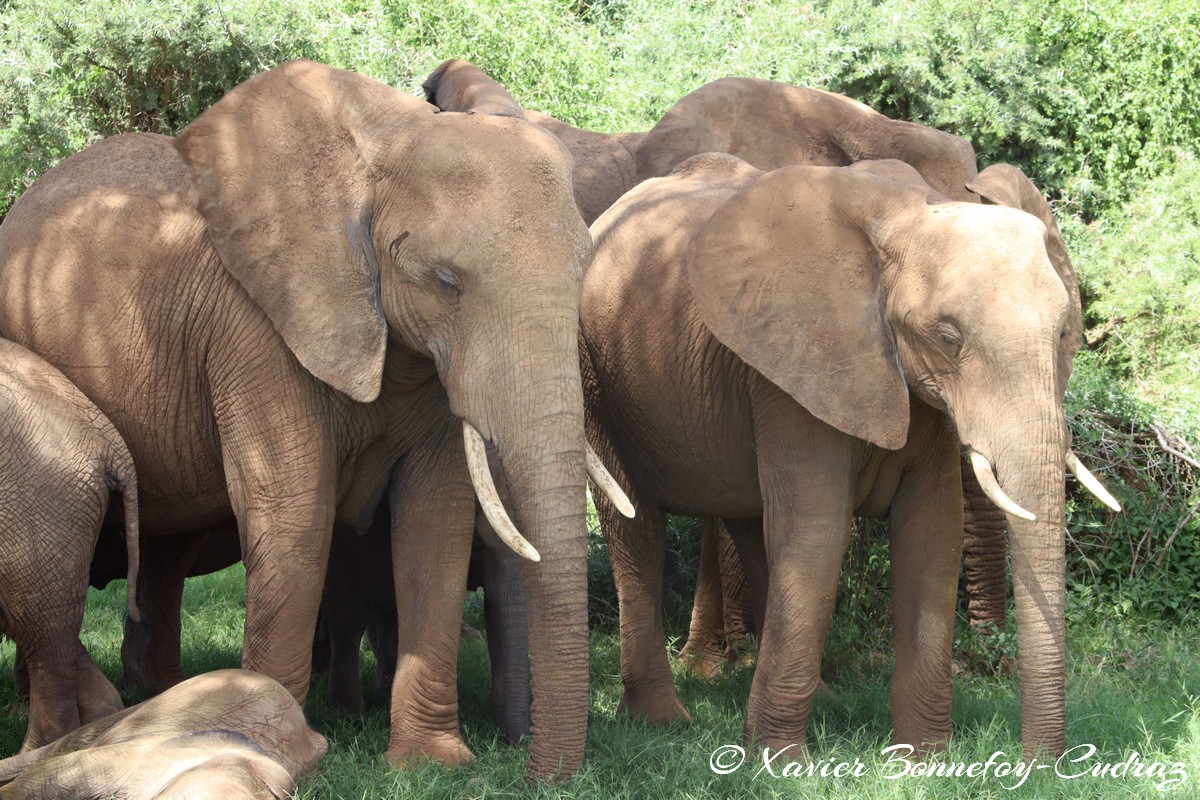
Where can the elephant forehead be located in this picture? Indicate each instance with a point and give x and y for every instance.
(513, 152)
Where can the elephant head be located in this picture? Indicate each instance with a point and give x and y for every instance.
(388, 241)
(859, 290)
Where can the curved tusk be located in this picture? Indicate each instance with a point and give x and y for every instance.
(1090, 481)
(991, 487)
(608, 484)
(489, 499)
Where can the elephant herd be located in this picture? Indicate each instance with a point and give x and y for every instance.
(366, 344)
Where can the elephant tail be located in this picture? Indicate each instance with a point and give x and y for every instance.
(123, 478)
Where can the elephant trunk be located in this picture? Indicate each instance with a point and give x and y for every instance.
(1032, 472)
(535, 420)
(547, 483)
(984, 550)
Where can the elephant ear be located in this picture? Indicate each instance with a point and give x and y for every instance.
(791, 283)
(458, 85)
(1005, 185)
(281, 166)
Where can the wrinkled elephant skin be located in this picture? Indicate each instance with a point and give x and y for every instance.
(289, 312)
(749, 364)
(230, 734)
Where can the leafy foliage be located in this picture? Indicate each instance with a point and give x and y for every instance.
(1141, 270)
(1087, 97)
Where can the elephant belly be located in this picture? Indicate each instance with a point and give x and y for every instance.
(691, 452)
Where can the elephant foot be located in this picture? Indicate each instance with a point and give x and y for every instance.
(661, 707)
(782, 749)
(741, 650)
(97, 696)
(446, 748)
(702, 662)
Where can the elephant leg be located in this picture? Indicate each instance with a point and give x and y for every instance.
(320, 653)
(43, 588)
(749, 551)
(508, 650)
(433, 516)
(805, 470)
(926, 521)
(53, 707)
(985, 544)
(737, 598)
(345, 613)
(150, 651)
(637, 548)
(282, 488)
(381, 633)
(66, 688)
(21, 673)
(97, 697)
(500, 572)
(704, 653)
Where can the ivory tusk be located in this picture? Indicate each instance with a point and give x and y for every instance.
(991, 487)
(1090, 482)
(489, 499)
(607, 484)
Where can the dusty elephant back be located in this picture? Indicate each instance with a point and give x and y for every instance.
(773, 125)
(605, 163)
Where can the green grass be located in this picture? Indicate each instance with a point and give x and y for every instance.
(1131, 687)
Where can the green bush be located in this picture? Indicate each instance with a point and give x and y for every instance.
(1144, 560)
(1085, 96)
(1141, 276)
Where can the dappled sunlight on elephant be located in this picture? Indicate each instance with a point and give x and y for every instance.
(813, 343)
(309, 303)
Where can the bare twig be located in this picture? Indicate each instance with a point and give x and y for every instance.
(1165, 444)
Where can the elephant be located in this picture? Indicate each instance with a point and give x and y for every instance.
(228, 734)
(771, 125)
(60, 459)
(723, 612)
(811, 343)
(323, 293)
(359, 598)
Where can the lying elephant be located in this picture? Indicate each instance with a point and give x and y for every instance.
(227, 734)
(60, 458)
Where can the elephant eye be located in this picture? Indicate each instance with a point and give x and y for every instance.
(949, 336)
(447, 279)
